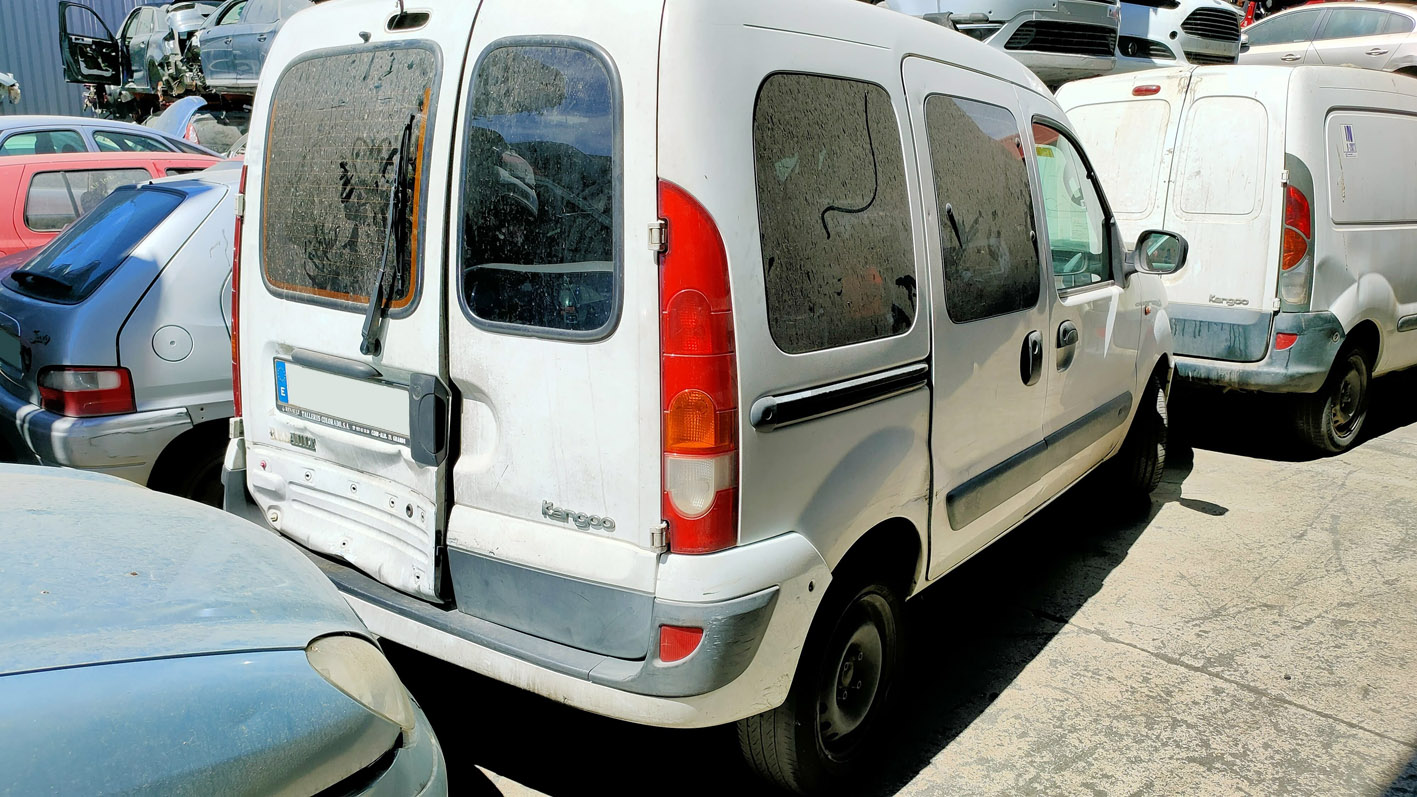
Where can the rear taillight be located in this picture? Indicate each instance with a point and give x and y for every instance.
(698, 380)
(677, 642)
(1295, 264)
(86, 392)
(236, 295)
(1284, 340)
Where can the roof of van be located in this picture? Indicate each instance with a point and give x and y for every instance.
(1327, 76)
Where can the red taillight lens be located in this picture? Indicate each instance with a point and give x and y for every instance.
(236, 295)
(1284, 340)
(86, 392)
(698, 381)
(1296, 211)
(677, 642)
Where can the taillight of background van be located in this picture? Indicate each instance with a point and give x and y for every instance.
(698, 380)
(236, 295)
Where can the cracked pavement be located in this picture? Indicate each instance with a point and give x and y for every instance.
(1253, 631)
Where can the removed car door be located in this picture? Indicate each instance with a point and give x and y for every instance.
(88, 48)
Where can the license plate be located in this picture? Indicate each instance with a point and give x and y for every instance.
(10, 350)
(359, 406)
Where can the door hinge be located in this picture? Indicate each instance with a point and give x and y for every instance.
(659, 538)
(1284, 177)
(658, 235)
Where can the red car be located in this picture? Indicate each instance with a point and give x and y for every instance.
(41, 194)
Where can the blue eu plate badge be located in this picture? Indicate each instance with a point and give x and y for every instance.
(282, 392)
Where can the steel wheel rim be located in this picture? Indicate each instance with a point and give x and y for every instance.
(851, 679)
(1348, 402)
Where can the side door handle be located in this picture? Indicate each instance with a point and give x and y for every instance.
(1030, 361)
(1291, 57)
(1377, 51)
(1067, 339)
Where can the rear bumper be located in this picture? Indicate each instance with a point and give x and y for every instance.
(1302, 368)
(120, 445)
(742, 666)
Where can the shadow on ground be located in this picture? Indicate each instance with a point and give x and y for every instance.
(971, 635)
(1256, 425)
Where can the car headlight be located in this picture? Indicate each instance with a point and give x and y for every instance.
(357, 668)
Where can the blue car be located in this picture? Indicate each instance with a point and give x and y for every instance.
(151, 644)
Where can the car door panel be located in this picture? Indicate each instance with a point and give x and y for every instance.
(1358, 37)
(988, 308)
(1284, 40)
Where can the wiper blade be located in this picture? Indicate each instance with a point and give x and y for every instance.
(381, 288)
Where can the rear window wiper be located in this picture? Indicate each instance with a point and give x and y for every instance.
(381, 288)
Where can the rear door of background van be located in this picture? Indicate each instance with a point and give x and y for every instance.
(1226, 193)
(553, 325)
(346, 430)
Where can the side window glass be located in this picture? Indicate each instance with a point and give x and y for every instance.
(56, 198)
(1397, 24)
(113, 141)
(43, 142)
(540, 205)
(1076, 225)
(232, 14)
(1284, 29)
(984, 208)
(833, 213)
(1346, 23)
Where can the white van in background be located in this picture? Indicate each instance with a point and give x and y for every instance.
(1295, 188)
(648, 355)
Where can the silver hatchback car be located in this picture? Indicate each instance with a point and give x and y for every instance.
(114, 339)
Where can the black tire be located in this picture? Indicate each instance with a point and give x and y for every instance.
(190, 468)
(1331, 419)
(857, 637)
(1140, 463)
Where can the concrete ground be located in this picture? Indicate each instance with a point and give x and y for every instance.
(1253, 631)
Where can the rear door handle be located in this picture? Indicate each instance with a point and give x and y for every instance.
(1030, 361)
(1291, 57)
(1377, 51)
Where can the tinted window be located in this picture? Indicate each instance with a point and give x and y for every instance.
(833, 213)
(1296, 26)
(984, 207)
(113, 141)
(258, 11)
(231, 15)
(540, 211)
(43, 142)
(1076, 224)
(1397, 23)
(1344, 23)
(77, 262)
(331, 163)
(56, 198)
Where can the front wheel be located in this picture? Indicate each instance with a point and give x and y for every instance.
(1331, 419)
(1139, 464)
(817, 740)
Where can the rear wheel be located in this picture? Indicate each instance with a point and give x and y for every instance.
(1139, 464)
(818, 739)
(1331, 419)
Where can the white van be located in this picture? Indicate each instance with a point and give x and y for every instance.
(1293, 186)
(642, 356)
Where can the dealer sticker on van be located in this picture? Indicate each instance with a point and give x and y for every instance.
(1350, 145)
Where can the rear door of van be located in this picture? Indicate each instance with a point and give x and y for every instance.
(343, 362)
(1226, 197)
(553, 324)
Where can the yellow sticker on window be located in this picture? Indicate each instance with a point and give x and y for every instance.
(1043, 152)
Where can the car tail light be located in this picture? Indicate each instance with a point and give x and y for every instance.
(191, 133)
(86, 392)
(1284, 340)
(698, 380)
(677, 642)
(1295, 264)
(236, 294)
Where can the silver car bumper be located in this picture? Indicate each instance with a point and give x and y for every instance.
(1075, 19)
(120, 445)
(1164, 26)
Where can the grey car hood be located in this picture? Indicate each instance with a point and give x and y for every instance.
(94, 569)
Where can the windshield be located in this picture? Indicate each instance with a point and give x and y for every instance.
(80, 259)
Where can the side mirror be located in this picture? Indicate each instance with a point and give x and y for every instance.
(1157, 252)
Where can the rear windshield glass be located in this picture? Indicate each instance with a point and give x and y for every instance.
(331, 162)
(540, 212)
(77, 262)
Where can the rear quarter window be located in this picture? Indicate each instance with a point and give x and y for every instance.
(331, 153)
(1134, 134)
(1222, 157)
(833, 213)
(56, 198)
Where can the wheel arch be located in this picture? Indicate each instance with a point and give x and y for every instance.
(171, 460)
(1366, 335)
(893, 549)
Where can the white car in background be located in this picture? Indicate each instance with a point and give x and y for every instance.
(1157, 33)
(1367, 35)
